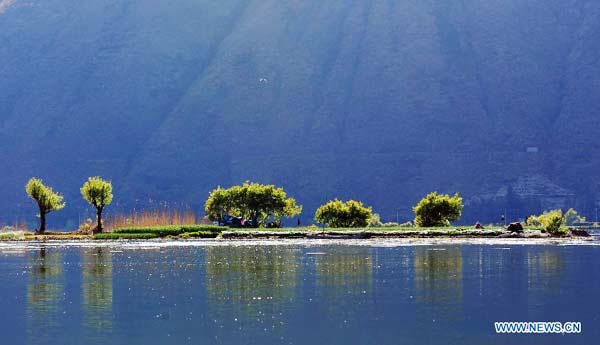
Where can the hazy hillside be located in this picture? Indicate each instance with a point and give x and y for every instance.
(381, 100)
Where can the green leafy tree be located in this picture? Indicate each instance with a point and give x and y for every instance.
(98, 193)
(339, 214)
(218, 204)
(552, 222)
(533, 221)
(438, 210)
(571, 217)
(252, 201)
(375, 221)
(46, 199)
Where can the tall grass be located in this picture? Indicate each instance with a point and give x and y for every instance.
(148, 218)
(16, 226)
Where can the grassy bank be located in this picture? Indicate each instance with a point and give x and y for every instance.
(146, 232)
(361, 233)
(188, 232)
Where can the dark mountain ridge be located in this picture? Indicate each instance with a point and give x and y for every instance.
(377, 100)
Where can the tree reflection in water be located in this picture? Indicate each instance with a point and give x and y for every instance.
(97, 287)
(45, 289)
(251, 286)
(439, 281)
(344, 279)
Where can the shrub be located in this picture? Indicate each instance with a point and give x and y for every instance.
(438, 210)
(375, 221)
(571, 217)
(533, 221)
(552, 221)
(10, 237)
(86, 227)
(408, 224)
(338, 214)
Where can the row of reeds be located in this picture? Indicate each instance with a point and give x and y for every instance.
(16, 226)
(156, 217)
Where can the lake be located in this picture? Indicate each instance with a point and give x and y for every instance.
(296, 292)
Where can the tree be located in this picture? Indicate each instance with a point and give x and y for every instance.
(438, 210)
(339, 214)
(571, 217)
(552, 222)
(251, 201)
(98, 193)
(46, 199)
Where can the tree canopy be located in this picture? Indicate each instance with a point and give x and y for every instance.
(339, 214)
(571, 217)
(98, 193)
(438, 210)
(46, 199)
(252, 201)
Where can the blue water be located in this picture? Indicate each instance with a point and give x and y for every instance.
(295, 294)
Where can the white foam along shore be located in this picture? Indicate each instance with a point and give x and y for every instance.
(375, 242)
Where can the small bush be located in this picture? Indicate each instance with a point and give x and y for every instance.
(121, 236)
(552, 221)
(533, 221)
(339, 214)
(375, 221)
(408, 224)
(10, 237)
(86, 227)
(571, 217)
(438, 210)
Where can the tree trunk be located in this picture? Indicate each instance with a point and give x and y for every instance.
(99, 219)
(42, 228)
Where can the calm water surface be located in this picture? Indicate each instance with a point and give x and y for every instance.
(295, 294)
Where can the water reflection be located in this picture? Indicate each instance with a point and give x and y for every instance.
(345, 280)
(45, 284)
(253, 294)
(439, 281)
(97, 287)
(45, 290)
(348, 272)
(544, 268)
(251, 286)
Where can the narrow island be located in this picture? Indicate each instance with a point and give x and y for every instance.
(255, 211)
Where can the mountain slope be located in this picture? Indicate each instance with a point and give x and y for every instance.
(377, 100)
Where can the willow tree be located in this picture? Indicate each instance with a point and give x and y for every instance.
(98, 193)
(251, 201)
(438, 210)
(46, 199)
(339, 214)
